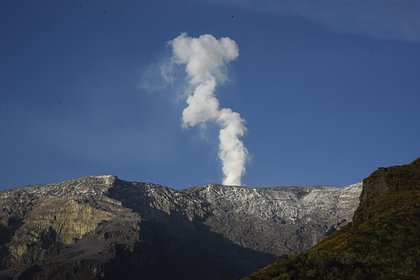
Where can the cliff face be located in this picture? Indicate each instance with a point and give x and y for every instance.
(278, 220)
(382, 242)
(101, 227)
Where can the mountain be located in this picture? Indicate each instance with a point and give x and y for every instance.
(102, 227)
(382, 242)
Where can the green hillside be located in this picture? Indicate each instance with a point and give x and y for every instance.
(382, 242)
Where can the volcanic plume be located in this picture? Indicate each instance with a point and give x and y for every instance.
(205, 60)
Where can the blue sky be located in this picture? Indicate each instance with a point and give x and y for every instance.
(329, 91)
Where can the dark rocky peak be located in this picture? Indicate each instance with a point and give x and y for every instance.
(385, 185)
(391, 179)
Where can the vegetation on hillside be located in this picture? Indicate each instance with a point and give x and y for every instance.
(382, 242)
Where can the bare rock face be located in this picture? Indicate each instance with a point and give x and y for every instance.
(281, 220)
(101, 227)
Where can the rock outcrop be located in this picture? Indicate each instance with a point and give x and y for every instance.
(382, 242)
(101, 227)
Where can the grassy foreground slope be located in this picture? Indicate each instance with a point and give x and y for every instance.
(382, 242)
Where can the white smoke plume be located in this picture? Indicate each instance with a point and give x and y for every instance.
(206, 58)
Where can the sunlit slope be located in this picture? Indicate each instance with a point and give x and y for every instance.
(382, 242)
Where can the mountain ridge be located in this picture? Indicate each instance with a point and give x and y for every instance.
(83, 228)
(114, 176)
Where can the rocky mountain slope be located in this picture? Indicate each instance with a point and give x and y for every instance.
(382, 242)
(101, 227)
